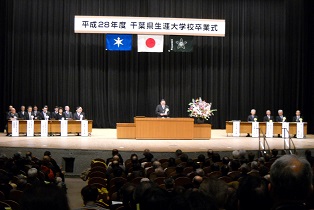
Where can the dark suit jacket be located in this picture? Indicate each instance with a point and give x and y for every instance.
(59, 117)
(250, 118)
(77, 117)
(294, 119)
(160, 110)
(27, 115)
(68, 115)
(53, 115)
(36, 115)
(10, 115)
(278, 119)
(41, 116)
(265, 119)
(22, 116)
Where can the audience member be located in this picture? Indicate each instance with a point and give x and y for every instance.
(90, 195)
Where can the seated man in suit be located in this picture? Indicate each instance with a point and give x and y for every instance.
(12, 115)
(35, 112)
(252, 118)
(280, 118)
(297, 117)
(54, 113)
(29, 114)
(68, 115)
(162, 110)
(22, 113)
(268, 117)
(79, 114)
(44, 115)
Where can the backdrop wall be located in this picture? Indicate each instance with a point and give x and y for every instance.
(265, 61)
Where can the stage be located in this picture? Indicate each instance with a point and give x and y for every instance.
(102, 141)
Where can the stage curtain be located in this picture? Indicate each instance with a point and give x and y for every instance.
(263, 62)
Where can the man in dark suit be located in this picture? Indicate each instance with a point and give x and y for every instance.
(22, 113)
(280, 117)
(44, 115)
(12, 115)
(297, 117)
(35, 112)
(67, 113)
(79, 114)
(268, 117)
(162, 110)
(29, 114)
(252, 118)
(54, 113)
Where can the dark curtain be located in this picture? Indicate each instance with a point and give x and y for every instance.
(265, 61)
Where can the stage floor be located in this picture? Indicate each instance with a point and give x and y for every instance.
(105, 139)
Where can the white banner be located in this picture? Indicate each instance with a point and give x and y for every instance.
(30, 127)
(64, 127)
(236, 128)
(84, 128)
(285, 130)
(269, 129)
(15, 128)
(255, 129)
(44, 128)
(300, 130)
(149, 25)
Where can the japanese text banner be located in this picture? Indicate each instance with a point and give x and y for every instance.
(149, 25)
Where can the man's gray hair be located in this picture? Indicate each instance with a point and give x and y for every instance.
(199, 172)
(32, 172)
(291, 178)
(235, 154)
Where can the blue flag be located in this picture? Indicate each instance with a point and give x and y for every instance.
(119, 42)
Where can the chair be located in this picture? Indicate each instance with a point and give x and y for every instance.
(254, 173)
(187, 170)
(148, 164)
(99, 159)
(98, 185)
(97, 180)
(159, 180)
(97, 168)
(4, 205)
(163, 160)
(126, 162)
(214, 174)
(96, 174)
(234, 175)
(162, 186)
(191, 175)
(149, 171)
(136, 180)
(117, 180)
(14, 205)
(182, 181)
(99, 164)
(207, 170)
(226, 179)
(170, 170)
(16, 195)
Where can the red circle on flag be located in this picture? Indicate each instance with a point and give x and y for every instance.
(150, 42)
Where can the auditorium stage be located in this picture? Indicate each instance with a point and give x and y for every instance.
(105, 139)
(102, 141)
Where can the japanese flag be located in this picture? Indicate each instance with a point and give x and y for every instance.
(150, 43)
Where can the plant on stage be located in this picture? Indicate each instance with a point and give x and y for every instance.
(200, 109)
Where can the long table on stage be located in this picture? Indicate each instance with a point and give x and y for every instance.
(163, 128)
(246, 127)
(74, 126)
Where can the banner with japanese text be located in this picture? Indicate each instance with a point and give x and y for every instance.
(149, 25)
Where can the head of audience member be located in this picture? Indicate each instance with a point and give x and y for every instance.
(225, 160)
(291, 178)
(89, 194)
(115, 158)
(242, 154)
(251, 156)
(298, 113)
(127, 191)
(134, 158)
(244, 168)
(210, 153)
(216, 189)
(44, 196)
(169, 184)
(159, 171)
(274, 153)
(253, 194)
(29, 109)
(179, 169)
(268, 113)
(154, 198)
(216, 157)
(280, 112)
(253, 112)
(47, 153)
(67, 108)
(141, 189)
(114, 152)
(29, 155)
(178, 153)
(171, 162)
(234, 165)
(199, 172)
(156, 164)
(235, 154)
(254, 165)
(79, 109)
(215, 167)
(184, 157)
(148, 155)
(201, 158)
(32, 173)
(308, 153)
(196, 181)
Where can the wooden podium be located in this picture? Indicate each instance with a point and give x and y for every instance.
(163, 128)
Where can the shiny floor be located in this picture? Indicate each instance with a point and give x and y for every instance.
(105, 139)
